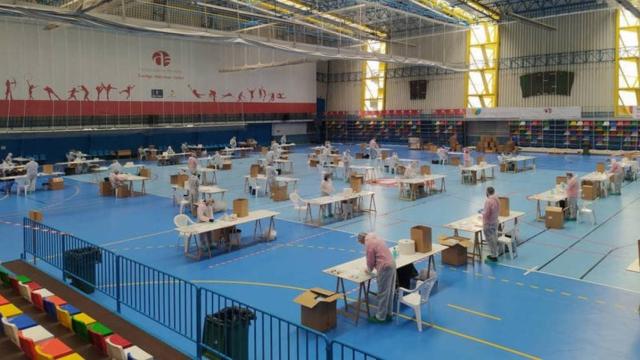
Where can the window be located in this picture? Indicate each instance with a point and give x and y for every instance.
(373, 81)
(481, 85)
(627, 62)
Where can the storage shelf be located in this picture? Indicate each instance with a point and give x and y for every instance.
(574, 134)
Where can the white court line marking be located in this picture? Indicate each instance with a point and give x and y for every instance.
(570, 278)
(137, 237)
(533, 269)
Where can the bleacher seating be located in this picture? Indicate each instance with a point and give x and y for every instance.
(37, 343)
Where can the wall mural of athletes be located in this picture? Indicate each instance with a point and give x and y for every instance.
(74, 71)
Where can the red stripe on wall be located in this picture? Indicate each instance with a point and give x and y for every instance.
(22, 108)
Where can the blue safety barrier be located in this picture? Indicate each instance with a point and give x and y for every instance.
(220, 327)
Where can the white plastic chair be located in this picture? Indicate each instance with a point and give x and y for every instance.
(508, 239)
(416, 298)
(181, 220)
(586, 210)
(467, 176)
(298, 204)
(253, 186)
(22, 185)
(179, 198)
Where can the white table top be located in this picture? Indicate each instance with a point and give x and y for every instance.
(125, 166)
(595, 176)
(16, 177)
(421, 179)
(199, 169)
(552, 195)
(478, 167)
(518, 158)
(473, 223)
(129, 177)
(341, 196)
(200, 228)
(86, 161)
(227, 150)
(166, 156)
(355, 270)
(361, 167)
(288, 145)
(207, 189)
(286, 179)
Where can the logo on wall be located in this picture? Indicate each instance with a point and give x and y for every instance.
(161, 58)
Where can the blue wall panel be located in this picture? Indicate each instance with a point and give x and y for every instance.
(55, 145)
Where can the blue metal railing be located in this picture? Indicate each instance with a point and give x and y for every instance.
(195, 313)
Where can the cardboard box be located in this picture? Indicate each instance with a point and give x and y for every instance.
(554, 217)
(279, 193)
(384, 154)
(425, 170)
(588, 192)
(56, 183)
(456, 253)
(400, 169)
(422, 236)
(503, 167)
(479, 160)
(561, 180)
(600, 167)
(178, 179)
(35, 215)
(454, 160)
(359, 155)
(254, 170)
(504, 206)
(145, 172)
(356, 182)
(123, 191)
(318, 308)
(313, 162)
(241, 207)
(105, 188)
(47, 168)
(226, 165)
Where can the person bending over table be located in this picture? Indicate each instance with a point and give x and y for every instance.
(32, 173)
(205, 214)
(233, 143)
(466, 157)
(115, 165)
(572, 195)
(170, 150)
(379, 258)
(346, 162)
(283, 139)
(490, 223)
(192, 164)
(326, 188)
(618, 175)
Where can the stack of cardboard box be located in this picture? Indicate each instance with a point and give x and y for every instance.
(241, 207)
(487, 144)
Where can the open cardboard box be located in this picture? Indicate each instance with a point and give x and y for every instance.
(318, 308)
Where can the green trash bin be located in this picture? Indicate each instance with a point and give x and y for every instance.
(227, 331)
(80, 267)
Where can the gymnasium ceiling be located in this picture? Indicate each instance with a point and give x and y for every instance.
(337, 26)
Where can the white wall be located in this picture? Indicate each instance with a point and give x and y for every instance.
(68, 56)
(592, 88)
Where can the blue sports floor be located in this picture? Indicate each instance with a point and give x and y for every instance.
(566, 296)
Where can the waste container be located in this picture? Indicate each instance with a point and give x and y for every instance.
(227, 331)
(80, 267)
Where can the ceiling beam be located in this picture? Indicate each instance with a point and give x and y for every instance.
(630, 7)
